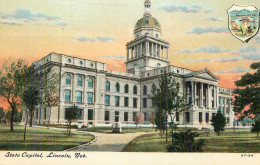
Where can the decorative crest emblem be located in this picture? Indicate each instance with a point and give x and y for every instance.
(243, 21)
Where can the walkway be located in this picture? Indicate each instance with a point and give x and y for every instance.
(109, 142)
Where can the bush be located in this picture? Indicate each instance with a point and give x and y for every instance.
(256, 126)
(185, 142)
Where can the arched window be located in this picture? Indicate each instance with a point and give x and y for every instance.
(145, 90)
(107, 86)
(153, 88)
(135, 90)
(68, 79)
(117, 87)
(90, 82)
(79, 81)
(126, 88)
(146, 22)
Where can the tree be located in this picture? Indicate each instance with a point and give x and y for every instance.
(71, 114)
(49, 92)
(10, 85)
(139, 118)
(2, 114)
(256, 125)
(218, 122)
(17, 115)
(152, 118)
(168, 100)
(185, 142)
(247, 93)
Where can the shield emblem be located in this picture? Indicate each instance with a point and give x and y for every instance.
(243, 21)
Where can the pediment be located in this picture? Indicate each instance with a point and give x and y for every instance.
(205, 74)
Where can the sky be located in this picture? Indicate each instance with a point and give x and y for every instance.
(99, 30)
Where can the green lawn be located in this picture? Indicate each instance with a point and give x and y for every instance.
(124, 129)
(240, 141)
(40, 139)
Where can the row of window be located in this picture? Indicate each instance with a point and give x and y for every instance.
(79, 81)
(117, 101)
(126, 88)
(79, 96)
(107, 116)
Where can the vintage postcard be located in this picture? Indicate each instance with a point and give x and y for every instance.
(129, 81)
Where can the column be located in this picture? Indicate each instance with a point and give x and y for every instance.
(127, 50)
(141, 49)
(159, 51)
(162, 51)
(208, 94)
(132, 53)
(201, 94)
(195, 90)
(152, 50)
(192, 92)
(225, 105)
(148, 47)
(216, 95)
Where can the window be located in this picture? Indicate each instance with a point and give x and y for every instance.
(91, 65)
(126, 88)
(69, 60)
(145, 102)
(145, 90)
(106, 115)
(67, 95)
(80, 62)
(107, 100)
(117, 87)
(37, 113)
(207, 117)
(116, 116)
(79, 96)
(134, 116)
(80, 114)
(45, 113)
(90, 97)
(107, 86)
(68, 80)
(145, 116)
(212, 103)
(187, 114)
(135, 90)
(157, 34)
(135, 102)
(80, 81)
(153, 88)
(125, 116)
(146, 22)
(158, 64)
(126, 101)
(177, 116)
(212, 92)
(90, 82)
(116, 100)
(200, 117)
(148, 74)
(90, 114)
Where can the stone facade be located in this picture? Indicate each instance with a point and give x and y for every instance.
(101, 94)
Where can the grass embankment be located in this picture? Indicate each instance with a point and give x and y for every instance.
(40, 139)
(240, 141)
(124, 129)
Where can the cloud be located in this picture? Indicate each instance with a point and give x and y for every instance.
(249, 53)
(199, 60)
(229, 59)
(25, 14)
(199, 30)
(206, 49)
(119, 57)
(170, 7)
(237, 70)
(213, 19)
(100, 39)
(61, 24)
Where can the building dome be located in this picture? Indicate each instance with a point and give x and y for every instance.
(147, 2)
(147, 22)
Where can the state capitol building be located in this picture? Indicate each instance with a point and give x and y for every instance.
(101, 94)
